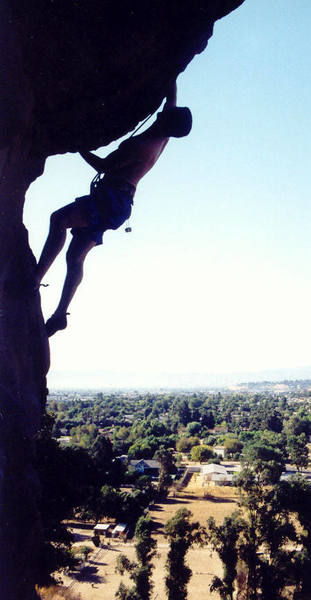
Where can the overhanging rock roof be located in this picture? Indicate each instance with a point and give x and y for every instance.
(94, 68)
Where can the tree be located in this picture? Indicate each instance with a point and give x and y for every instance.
(155, 428)
(268, 527)
(184, 444)
(143, 448)
(266, 461)
(208, 419)
(66, 476)
(298, 424)
(298, 451)
(223, 539)
(210, 440)
(184, 412)
(84, 551)
(167, 467)
(275, 423)
(109, 503)
(140, 570)
(201, 453)
(232, 446)
(296, 496)
(193, 428)
(96, 540)
(121, 433)
(181, 533)
(101, 451)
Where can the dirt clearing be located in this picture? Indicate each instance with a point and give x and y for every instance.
(99, 580)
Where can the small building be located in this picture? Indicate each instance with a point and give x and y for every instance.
(120, 531)
(220, 451)
(103, 529)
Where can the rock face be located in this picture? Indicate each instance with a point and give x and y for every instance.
(94, 68)
(77, 74)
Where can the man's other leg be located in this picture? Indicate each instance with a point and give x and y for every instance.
(76, 254)
(75, 257)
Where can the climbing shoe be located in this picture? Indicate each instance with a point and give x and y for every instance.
(55, 323)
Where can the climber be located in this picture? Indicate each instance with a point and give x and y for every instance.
(110, 204)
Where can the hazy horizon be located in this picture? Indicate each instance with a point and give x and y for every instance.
(113, 380)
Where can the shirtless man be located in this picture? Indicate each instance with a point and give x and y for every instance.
(109, 204)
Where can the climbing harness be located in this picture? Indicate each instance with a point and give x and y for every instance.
(96, 183)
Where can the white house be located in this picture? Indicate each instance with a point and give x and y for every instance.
(216, 474)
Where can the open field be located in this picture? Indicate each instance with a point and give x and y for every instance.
(99, 580)
(219, 505)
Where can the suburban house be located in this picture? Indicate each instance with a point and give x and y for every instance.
(145, 467)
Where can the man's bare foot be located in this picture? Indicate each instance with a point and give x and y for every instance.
(55, 323)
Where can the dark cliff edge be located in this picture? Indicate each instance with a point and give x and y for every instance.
(75, 75)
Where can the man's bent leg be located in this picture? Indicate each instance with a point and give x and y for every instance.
(68, 216)
(76, 254)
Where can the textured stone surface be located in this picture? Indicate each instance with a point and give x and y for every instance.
(24, 362)
(77, 74)
(95, 68)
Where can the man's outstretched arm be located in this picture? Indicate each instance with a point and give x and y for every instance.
(171, 97)
(94, 161)
(101, 165)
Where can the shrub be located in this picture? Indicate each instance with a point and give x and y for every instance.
(184, 444)
(57, 592)
(193, 428)
(233, 447)
(201, 453)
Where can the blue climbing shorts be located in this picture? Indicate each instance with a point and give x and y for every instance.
(107, 208)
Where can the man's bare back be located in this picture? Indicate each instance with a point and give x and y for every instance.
(135, 157)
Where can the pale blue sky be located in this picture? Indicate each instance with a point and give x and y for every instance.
(215, 276)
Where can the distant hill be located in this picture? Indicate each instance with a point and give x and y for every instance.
(279, 387)
(100, 380)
